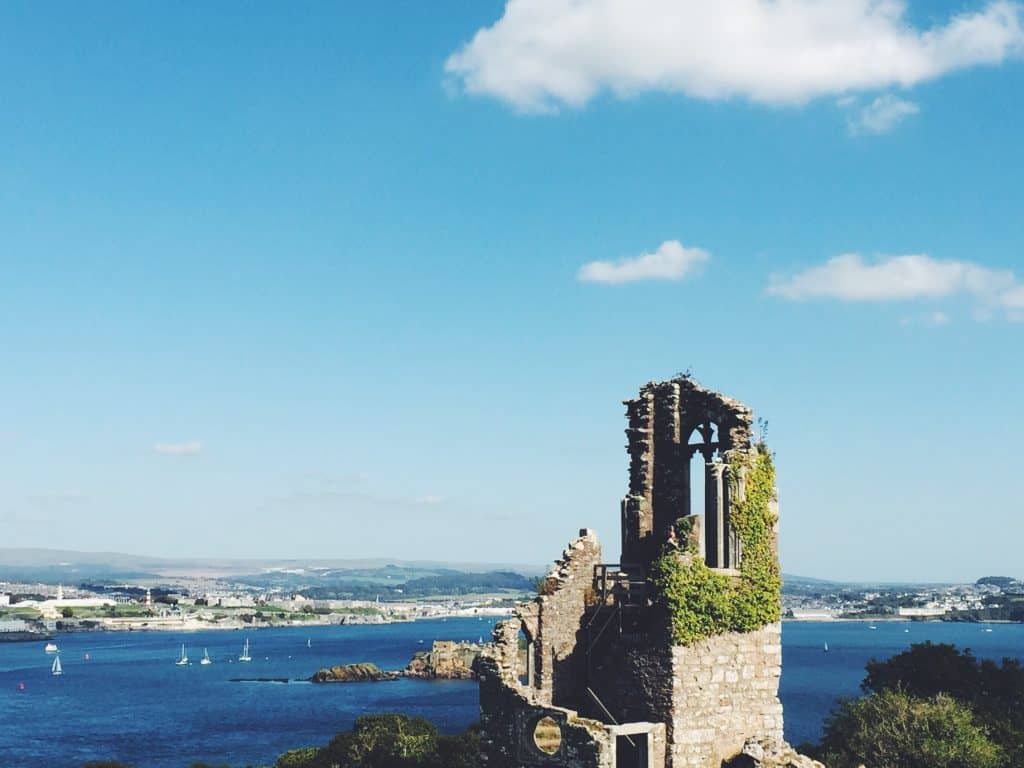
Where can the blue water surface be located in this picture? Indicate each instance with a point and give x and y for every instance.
(130, 702)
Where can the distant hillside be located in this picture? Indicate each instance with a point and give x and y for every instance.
(70, 567)
(803, 585)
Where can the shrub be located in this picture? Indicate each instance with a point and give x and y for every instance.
(894, 730)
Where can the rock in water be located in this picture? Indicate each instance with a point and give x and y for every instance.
(352, 673)
(446, 660)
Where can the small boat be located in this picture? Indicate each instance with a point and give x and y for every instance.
(51, 648)
(85, 657)
(987, 629)
(21, 687)
(826, 647)
(206, 658)
(309, 642)
(183, 659)
(245, 652)
(56, 669)
(872, 627)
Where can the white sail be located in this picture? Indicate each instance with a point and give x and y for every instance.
(181, 662)
(206, 657)
(245, 652)
(56, 669)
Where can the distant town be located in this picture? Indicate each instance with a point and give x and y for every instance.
(38, 600)
(991, 598)
(68, 597)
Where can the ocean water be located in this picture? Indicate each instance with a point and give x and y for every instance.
(130, 702)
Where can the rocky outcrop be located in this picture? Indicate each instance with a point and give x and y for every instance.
(353, 673)
(771, 754)
(446, 660)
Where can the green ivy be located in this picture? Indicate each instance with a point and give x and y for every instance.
(703, 602)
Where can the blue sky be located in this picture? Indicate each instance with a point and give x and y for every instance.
(311, 280)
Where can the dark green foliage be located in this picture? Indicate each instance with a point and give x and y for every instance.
(893, 730)
(934, 706)
(384, 741)
(389, 741)
(995, 692)
(298, 758)
(702, 602)
(462, 751)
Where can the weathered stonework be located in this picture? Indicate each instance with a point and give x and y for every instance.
(594, 650)
(446, 660)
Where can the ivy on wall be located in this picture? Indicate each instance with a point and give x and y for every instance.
(703, 602)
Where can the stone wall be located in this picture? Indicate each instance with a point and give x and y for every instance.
(725, 693)
(510, 712)
(554, 620)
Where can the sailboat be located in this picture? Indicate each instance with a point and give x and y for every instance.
(56, 669)
(183, 661)
(309, 642)
(826, 647)
(245, 652)
(206, 658)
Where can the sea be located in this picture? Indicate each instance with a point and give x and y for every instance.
(123, 697)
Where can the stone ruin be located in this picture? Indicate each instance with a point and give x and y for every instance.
(588, 675)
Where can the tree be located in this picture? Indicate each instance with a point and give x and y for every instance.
(66, 612)
(891, 729)
(383, 741)
(299, 758)
(462, 751)
(994, 692)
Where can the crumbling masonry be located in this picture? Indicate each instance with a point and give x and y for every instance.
(588, 675)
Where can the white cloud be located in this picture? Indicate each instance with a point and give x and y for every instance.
(881, 115)
(671, 261)
(903, 278)
(542, 54)
(1014, 299)
(189, 448)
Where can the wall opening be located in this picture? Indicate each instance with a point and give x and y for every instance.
(631, 751)
(525, 665)
(547, 735)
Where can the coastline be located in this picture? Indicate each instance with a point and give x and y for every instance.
(189, 624)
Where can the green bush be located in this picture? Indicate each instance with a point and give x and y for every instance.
(298, 758)
(389, 741)
(932, 706)
(893, 730)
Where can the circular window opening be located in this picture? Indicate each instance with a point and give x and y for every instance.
(547, 736)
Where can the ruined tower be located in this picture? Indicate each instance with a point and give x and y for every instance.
(670, 658)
